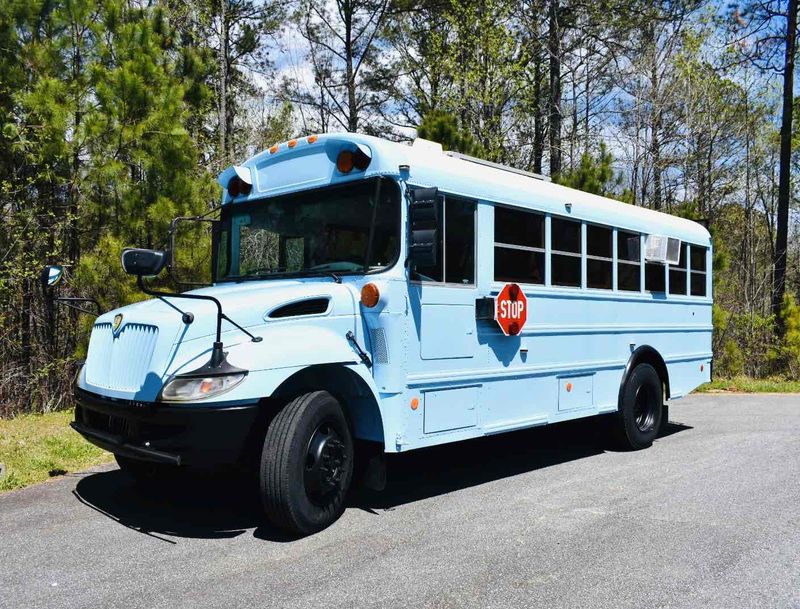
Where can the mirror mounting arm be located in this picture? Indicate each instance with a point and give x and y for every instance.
(217, 356)
(73, 303)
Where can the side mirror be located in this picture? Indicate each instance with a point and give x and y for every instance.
(141, 262)
(51, 276)
(423, 218)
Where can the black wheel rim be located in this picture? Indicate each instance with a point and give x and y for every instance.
(325, 464)
(645, 408)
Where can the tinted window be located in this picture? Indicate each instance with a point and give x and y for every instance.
(519, 246)
(698, 284)
(697, 261)
(628, 246)
(566, 238)
(654, 277)
(599, 245)
(521, 266)
(698, 258)
(455, 261)
(517, 227)
(677, 274)
(460, 241)
(434, 272)
(598, 273)
(628, 262)
(598, 241)
(566, 235)
(628, 277)
(566, 270)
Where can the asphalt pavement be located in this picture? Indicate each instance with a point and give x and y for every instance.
(707, 517)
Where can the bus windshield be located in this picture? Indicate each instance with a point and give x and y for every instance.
(343, 229)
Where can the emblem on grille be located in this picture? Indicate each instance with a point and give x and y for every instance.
(117, 323)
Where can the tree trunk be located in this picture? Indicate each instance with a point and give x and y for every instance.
(352, 107)
(554, 50)
(782, 223)
(223, 84)
(538, 116)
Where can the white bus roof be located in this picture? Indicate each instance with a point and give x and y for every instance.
(428, 165)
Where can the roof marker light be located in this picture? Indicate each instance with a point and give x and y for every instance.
(292, 143)
(312, 138)
(344, 162)
(273, 149)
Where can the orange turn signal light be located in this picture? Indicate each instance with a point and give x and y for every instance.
(344, 162)
(370, 295)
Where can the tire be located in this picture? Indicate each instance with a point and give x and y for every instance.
(638, 421)
(306, 464)
(144, 472)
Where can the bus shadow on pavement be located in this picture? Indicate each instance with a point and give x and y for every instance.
(429, 472)
(224, 504)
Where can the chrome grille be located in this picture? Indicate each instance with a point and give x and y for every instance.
(123, 362)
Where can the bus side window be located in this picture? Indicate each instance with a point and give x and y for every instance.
(628, 248)
(455, 262)
(599, 256)
(677, 274)
(518, 246)
(566, 252)
(655, 277)
(697, 259)
(434, 272)
(459, 236)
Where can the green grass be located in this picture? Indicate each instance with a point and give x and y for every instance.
(743, 384)
(36, 447)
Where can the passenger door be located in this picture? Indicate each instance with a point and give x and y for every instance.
(442, 298)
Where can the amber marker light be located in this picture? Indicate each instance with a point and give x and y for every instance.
(274, 149)
(292, 143)
(312, 139)
(344, 162)
(414, 403)
(370, 295)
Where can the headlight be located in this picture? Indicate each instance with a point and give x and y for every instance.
(199, 388)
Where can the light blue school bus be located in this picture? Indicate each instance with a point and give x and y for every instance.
(354, 312)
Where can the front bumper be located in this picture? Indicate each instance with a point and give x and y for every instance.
(163, 433)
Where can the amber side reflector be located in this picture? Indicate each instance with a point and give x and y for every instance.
(344, 162)
(370, 295)
(414, 403)
(292, 143)
(274, 149)
(312, 139)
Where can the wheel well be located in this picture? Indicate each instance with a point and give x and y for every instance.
(351, 390)
(645, 354)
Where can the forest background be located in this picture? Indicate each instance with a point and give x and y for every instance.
(116, 116)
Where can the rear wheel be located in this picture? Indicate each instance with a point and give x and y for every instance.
(639, 418)
(307, 464)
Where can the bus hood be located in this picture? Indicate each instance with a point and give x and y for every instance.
(249, 304)
(133, 349)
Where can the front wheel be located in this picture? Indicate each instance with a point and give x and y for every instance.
(306, 464)
(640, 412)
